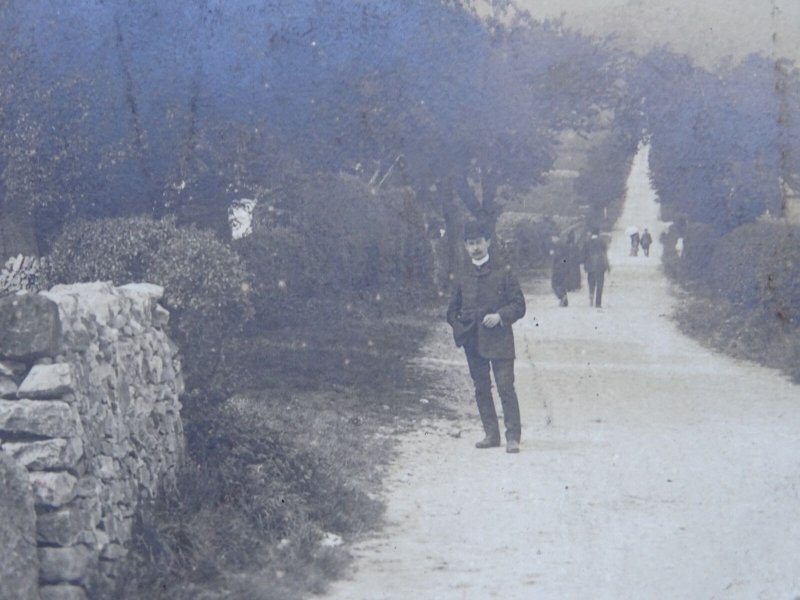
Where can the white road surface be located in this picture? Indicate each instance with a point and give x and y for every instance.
(651, 467)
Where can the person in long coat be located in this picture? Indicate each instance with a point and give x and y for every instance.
(559, 277)
(573, 263)
(635, 244)
(485, 302)
(595, 262)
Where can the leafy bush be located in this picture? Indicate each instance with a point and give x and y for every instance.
(527, 239)
(206, 287)
(107, 249)
(698, 250)
(758, 266)
(367, 240)
(699, 242)
(339, 240)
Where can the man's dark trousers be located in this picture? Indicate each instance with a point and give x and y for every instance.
(503, 369)
(596, 280)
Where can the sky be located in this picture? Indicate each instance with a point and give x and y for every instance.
(707, 30)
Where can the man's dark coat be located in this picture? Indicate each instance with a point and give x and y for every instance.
(560, 274)
(479, 291)
(573, 267)
(595, 258)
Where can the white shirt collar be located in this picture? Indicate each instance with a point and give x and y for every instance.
(481, 262)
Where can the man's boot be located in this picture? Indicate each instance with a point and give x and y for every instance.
(488, 442)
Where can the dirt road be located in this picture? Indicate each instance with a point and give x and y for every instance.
(650, 468)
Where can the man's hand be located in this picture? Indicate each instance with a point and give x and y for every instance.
(491, 320)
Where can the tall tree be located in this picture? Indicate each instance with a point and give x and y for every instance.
(716, 138)
(199, 103)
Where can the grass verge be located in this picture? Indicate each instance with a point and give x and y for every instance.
(756, 335)
(284, 468)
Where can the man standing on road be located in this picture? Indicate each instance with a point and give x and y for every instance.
(595, 261)
(485, 302)
(645, 242)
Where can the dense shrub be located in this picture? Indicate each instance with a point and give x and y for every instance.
(698, 249)
(758, 265)
(699, 241)
(366, 240)
(527, 238)
(206, 287)
(282, 272)
(117, 250)
(337, 240)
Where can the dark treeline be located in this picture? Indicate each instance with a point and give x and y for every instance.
(116, 108)
(726, 163)
(723, 141)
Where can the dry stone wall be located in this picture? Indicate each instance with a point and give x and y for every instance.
(89, 409)
(19, 571)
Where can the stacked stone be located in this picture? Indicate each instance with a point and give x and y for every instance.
(90, 385)
(19, 561)
(20, 274)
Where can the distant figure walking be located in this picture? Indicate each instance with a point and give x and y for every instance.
(595, 262)
(573, 263)
(646, 242)
(635, 243)
(560, 270)
(485, 302)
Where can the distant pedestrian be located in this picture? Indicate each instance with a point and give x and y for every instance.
(679, 247)
(635, 243)
(595, 262)
(573, 263)
(560, 270)
(485, 303)
(646, 241)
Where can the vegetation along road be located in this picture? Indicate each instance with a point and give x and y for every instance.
(651, 467)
